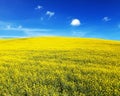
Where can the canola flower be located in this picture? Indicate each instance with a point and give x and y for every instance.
(58, 66)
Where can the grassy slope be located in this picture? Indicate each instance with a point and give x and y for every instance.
(56, 66)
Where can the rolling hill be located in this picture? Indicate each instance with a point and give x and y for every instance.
(59, 66)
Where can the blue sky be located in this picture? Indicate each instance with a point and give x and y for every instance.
(75, 18)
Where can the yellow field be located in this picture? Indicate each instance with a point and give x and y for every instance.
(57, 66)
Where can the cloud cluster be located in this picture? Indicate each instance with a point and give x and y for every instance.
(10, 27)
(27, 31)
(48, 13)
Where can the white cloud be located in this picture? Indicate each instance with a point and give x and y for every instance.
(106, 19)
(50, 14)
(11, 27)
(4, 36)
(8, 26)
(39, 7)
(78, 33)
(19, 27)
(28, 31)
(36, 32)
(75, 22)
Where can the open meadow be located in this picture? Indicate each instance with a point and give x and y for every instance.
(59, 66)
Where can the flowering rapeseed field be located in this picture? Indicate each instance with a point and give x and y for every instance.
(58, 66)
